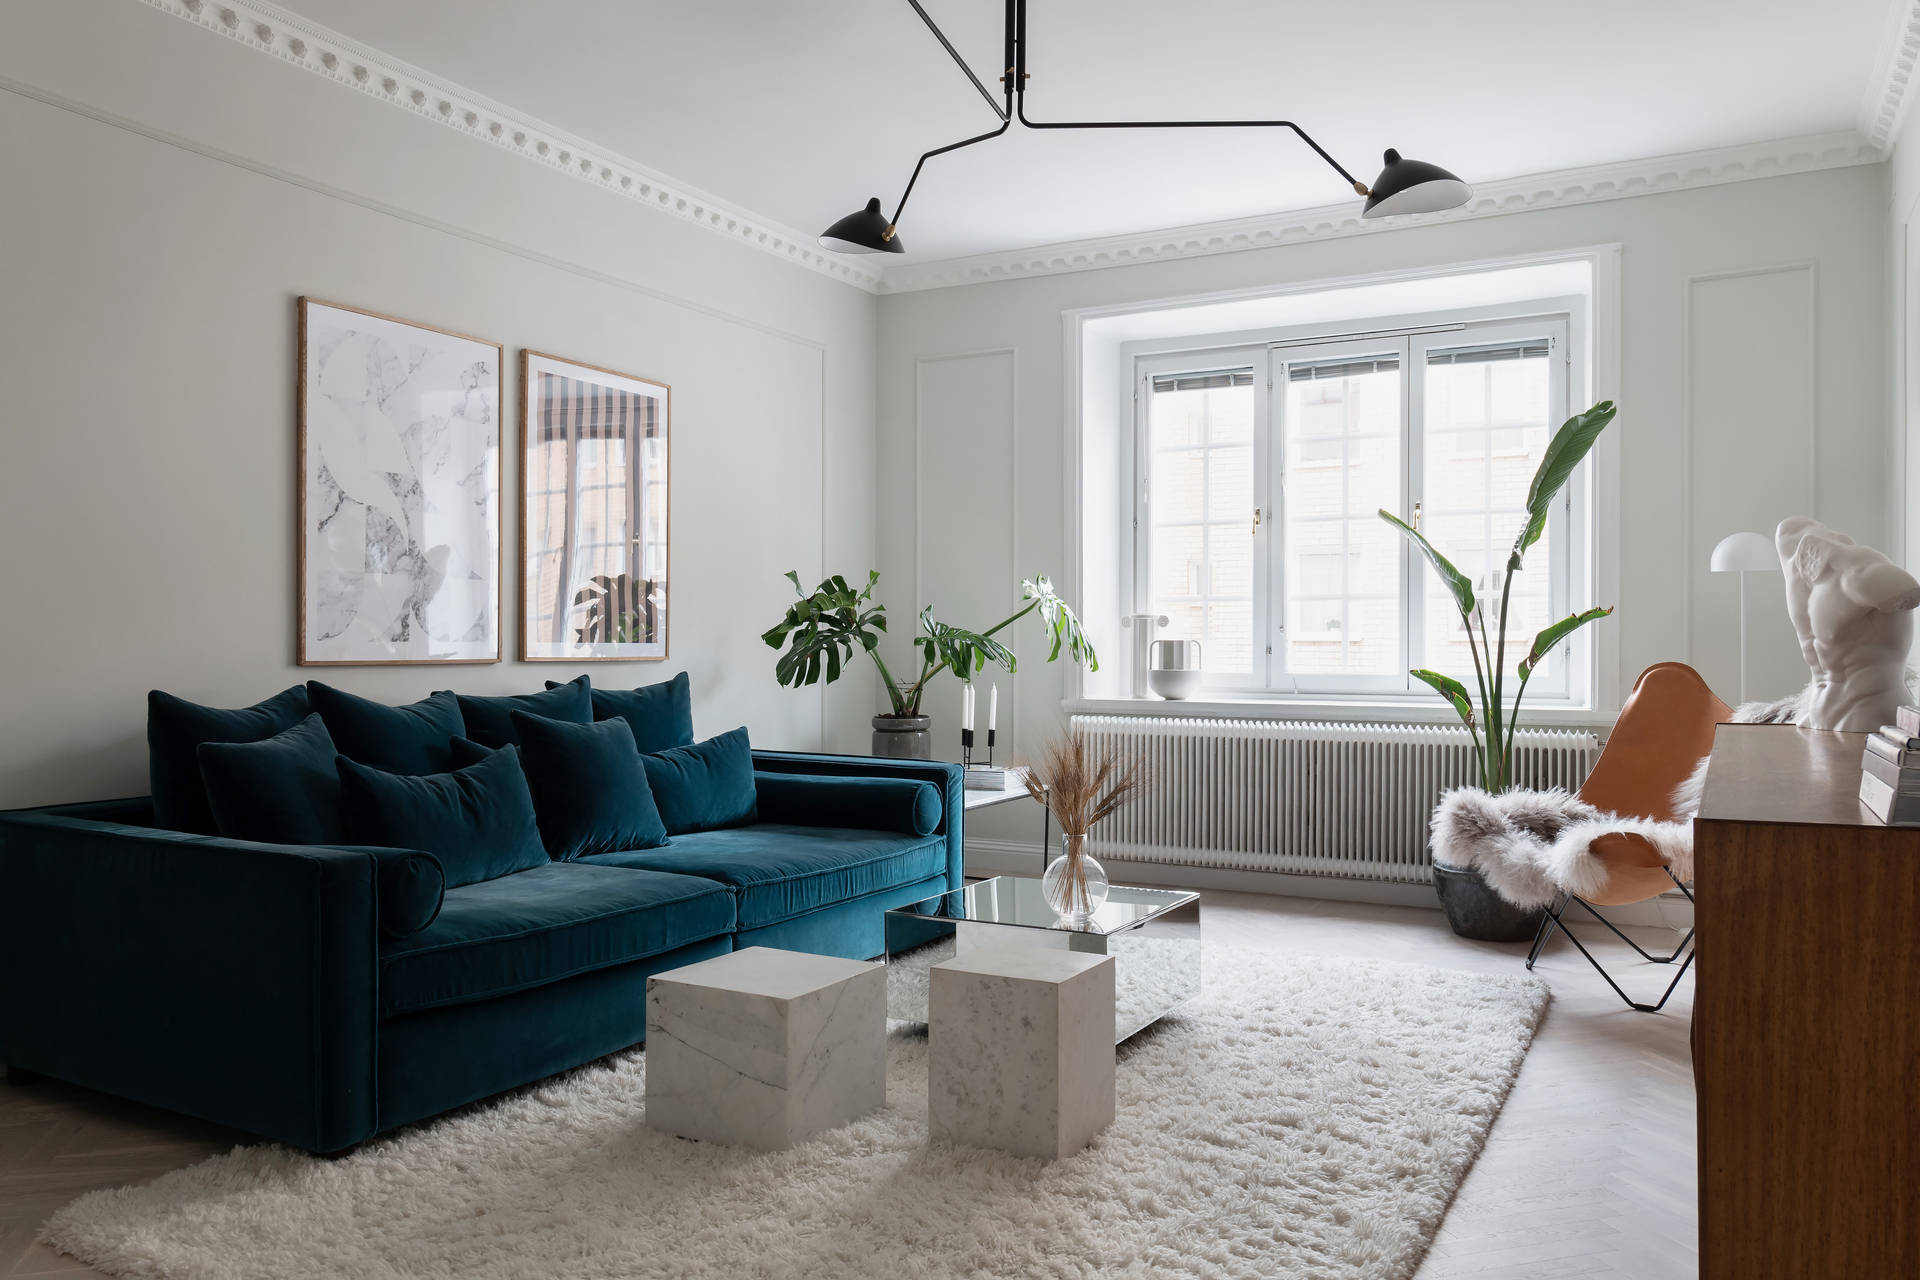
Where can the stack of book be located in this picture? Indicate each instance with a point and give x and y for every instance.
(1890, 771)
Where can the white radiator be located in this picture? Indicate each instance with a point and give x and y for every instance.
(1307, 798)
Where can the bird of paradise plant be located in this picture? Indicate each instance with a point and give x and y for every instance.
(1494, 724)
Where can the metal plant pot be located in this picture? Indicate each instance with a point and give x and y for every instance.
(903, 737)
(1475, 911)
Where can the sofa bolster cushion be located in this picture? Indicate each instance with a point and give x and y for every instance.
(411, 887)
(478, 821)
(904, 805)
(280, 790)
(175, 730)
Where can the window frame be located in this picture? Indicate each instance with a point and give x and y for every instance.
(1570, 682)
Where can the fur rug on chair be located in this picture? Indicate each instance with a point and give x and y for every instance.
(1531, 846)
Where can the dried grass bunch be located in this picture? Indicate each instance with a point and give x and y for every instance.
(1079, 789)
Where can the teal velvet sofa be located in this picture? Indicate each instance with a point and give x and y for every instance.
(263, 987)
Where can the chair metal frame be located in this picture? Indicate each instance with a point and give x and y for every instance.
(1555, 917)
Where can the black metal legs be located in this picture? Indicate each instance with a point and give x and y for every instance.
(1555, 917)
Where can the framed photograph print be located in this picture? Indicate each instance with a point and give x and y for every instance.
(593, 513)
(400, 557)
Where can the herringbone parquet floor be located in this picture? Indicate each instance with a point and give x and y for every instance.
(1589, 1171)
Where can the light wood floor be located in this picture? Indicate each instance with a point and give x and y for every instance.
(1589, 1171)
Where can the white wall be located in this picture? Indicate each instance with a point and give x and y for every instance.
(1752, 385)
(167, 195)
(1903, 346)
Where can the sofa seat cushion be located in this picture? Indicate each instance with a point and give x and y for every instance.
(539, 926)
(779, 870)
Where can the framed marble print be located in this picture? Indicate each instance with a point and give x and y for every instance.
(400, 556)
(593, 513)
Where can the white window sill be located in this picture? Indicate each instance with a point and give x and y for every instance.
(1334, 709)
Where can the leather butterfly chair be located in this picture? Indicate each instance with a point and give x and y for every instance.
(1663, 732)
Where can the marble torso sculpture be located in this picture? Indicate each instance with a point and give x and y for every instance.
(1853, 608)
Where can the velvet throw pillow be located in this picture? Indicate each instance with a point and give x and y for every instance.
(478, 821)
(490, 720)
(411, 739)
(590, 791)
(706, 786)
(175, 730)
(280, 790)
(660, 715)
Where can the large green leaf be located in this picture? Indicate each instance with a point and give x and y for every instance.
(821, 628)
(1450, 689)
(1063, 627)
(965, 651)
(1544, 642)
(1455, 581)
(1569, 446)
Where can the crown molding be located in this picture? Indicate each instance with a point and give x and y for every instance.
(269, 29)
(1517, 195)
(1883, 108)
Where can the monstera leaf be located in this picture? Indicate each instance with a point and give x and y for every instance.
(1063, 627)
(966, 652)
(821, 628)
(619, 610)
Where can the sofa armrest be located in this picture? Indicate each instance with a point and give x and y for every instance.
(949, 778)
(225, 979)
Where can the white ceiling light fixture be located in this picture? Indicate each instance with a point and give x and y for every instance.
(1404, 186)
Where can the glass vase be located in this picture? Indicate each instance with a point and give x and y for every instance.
(1075, 884)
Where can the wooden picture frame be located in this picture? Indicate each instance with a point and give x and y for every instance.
(400, 556)
(594, 582)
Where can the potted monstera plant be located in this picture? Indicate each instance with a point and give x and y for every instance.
(823, 630)
(1473, 909)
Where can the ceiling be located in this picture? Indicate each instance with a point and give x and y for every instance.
(800, 111)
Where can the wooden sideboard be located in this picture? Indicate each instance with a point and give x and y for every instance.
(1806, 1021)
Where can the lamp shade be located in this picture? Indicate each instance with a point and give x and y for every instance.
(1745, 553)
(1414, 186)
(864, 231)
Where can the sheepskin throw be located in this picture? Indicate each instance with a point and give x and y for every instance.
(1531, 846)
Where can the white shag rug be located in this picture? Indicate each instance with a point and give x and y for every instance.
(1306, 1117)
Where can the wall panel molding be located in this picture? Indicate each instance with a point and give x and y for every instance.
(1695, 553)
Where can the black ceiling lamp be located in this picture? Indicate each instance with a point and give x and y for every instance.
(1404, 186)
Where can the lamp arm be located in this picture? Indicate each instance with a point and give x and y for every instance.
(959, 61)
(937, 151)
(1019, 87)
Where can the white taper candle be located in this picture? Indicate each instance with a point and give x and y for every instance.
(993, 708)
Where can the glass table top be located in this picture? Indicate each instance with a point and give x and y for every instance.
(1017, 900)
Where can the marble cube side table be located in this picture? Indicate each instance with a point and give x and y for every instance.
(761, 1047)
(1020, 1049)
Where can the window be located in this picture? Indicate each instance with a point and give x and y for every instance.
(1261, 470)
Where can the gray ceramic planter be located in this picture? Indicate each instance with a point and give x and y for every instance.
(1475, 911)
(903, 737)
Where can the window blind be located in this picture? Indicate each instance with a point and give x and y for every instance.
(1203, 381)
(1534, 350)
(1342, 369)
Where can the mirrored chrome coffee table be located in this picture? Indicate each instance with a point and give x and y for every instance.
(1153, 936)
